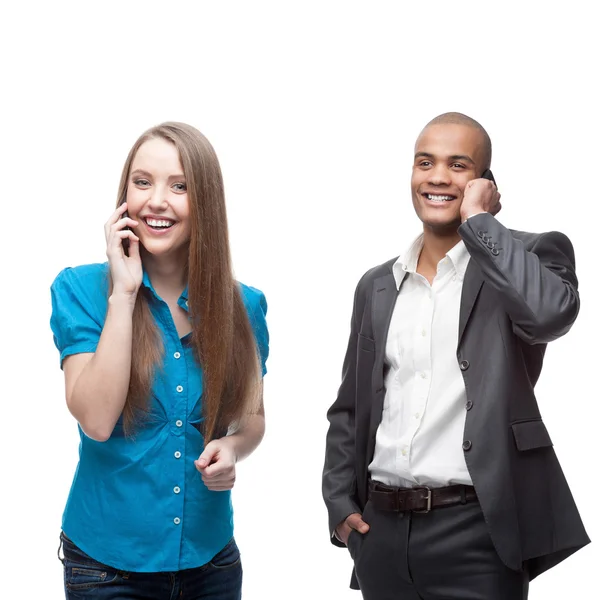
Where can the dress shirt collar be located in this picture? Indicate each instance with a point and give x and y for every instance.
(407, 262)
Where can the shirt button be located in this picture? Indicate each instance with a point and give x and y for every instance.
(177, 454)
(179, 388)
(177, 489)
(423, 375)
(404, 452)
(417, 415)
(423, 333)
(177, 355)
(186, 302)
(179, 422)
(176, 520)
(453, 277)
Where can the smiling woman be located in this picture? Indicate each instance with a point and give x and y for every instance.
(163, 354)
(157, 196)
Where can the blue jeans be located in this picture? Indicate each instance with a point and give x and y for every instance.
(220, 579)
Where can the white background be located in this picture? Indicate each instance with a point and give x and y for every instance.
(313, 108)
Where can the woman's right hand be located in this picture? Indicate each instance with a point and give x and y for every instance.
(126, 270)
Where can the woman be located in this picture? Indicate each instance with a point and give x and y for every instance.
(161, 350)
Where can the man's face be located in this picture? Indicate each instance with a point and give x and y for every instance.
(447, 157)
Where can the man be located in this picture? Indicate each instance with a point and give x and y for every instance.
(439, 474)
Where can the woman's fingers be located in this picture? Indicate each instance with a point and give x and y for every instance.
(117, 214)
(115, 242)
(134, 248)
(125, 222)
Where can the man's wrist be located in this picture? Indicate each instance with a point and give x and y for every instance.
(473, 214)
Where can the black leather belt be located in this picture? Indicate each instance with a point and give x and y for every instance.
(418, 499)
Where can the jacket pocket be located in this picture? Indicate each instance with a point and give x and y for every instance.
(531, 434)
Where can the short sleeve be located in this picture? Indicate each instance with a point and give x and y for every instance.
(257, 311)
(79, 304)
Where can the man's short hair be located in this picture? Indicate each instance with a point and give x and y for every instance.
(456, 118)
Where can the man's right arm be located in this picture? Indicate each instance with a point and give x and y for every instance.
(339, 473)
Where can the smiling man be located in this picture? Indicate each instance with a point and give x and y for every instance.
(440, 475)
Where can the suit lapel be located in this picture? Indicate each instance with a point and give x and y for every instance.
(471, 288)
(383, 302)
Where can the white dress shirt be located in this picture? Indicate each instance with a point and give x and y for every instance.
(419, 440)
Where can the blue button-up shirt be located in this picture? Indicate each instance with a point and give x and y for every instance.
(140, 504)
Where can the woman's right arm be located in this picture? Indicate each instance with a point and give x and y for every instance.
(96, 384)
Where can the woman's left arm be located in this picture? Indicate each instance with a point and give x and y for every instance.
(217, 462)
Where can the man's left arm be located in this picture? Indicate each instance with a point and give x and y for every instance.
(537, 286)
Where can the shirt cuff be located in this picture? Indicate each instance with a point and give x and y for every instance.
(483, 212)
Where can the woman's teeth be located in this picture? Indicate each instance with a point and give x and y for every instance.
(159, 223)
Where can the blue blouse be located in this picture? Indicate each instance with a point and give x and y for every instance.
(140, 504)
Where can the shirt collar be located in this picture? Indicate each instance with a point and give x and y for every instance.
(183, 299)
(407, 262)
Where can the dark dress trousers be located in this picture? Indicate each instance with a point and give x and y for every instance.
(519, 293)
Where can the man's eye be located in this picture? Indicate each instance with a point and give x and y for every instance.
(458, 166)
(180, 187)
(425, 163)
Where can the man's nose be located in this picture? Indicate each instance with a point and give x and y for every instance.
(439, 175)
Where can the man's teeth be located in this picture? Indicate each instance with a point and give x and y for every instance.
(439, 198)
(157, 223)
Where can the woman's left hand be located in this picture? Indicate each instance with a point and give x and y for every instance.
(217, 465)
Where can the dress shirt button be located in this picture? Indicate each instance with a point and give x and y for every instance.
(179, 388)
(177, 355)
(177, 489)
(404, 452)
(176, 520)
(469, 405)
(453, 277)
(424, 333)
(423, 375)
(177, 454)
(417, 415)
(464, 365)
(467, 445)
(179, 422)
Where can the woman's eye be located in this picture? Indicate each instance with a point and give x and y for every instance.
(141, 182)
(180, 187)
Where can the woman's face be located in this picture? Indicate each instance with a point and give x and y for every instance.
(157, 198)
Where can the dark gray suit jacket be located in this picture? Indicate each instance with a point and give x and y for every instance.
(519, 293)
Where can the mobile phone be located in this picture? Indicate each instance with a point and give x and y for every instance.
(125, 241)
(487, 174)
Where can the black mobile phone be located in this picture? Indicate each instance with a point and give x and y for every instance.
(125, 241)
(487, 174)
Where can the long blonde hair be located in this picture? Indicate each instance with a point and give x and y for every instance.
(222, 337)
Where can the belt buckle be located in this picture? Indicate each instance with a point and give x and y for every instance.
(428, 498)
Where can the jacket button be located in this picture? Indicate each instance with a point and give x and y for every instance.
(490, 244)
(480, 234)
(495, 251)
(467, 445)
(464, 365)
(469, 405)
